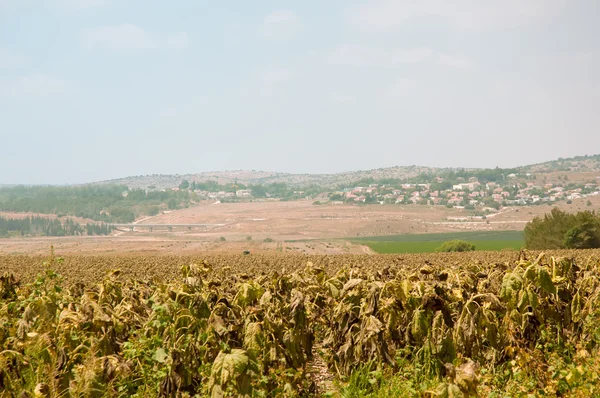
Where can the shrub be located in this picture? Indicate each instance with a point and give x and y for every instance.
(583, 236)
(172, 204)
(456, 246)
(559, 230)
(268, 240)
(222, 239)
(152, 210)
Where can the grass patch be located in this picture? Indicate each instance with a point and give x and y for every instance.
(444, 236)
(428, 243)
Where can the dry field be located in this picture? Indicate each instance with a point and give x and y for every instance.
(93, 268)
(435, 325)
(282, 222)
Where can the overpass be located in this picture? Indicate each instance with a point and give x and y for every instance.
(167, 226)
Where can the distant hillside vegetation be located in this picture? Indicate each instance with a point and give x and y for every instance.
(587, 163)
(165, 181)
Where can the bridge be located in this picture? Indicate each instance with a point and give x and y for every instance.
(167, 226)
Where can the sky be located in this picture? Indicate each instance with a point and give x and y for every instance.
(99, 89)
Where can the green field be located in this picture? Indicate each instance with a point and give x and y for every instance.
(427, 243)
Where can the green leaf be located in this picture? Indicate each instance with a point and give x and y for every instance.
(576, 307)
(511, 285)
(160, 355)
(253, 338)
(545, 281)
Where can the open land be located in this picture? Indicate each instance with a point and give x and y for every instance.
(170, 305)
(293, 226)
(492, 322)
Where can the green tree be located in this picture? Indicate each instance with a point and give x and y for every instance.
(185, 184)
(152, 210)
(548, 232)
(258, 191)
(456, 246)
(559, 230)
(583, 236)
(172, 204)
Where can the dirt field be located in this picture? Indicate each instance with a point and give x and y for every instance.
(302, 220)
(288, 224)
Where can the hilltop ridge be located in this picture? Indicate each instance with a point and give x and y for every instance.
(588, 163)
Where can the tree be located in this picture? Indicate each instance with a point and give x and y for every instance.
(583, 236)
(185, 184)
(559, 230)
(153, 210)
(172, 204)
(258, 191)
(548, 232)
(456, 246)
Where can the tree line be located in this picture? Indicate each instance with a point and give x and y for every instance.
(562, 230)
(276, 189)
(40, 226)
(106, 203)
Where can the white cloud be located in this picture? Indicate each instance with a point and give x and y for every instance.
(9, 59)
(357, 55)
(275, 75)
(279, 17)
(131, 37)
(78, 4)
(36, 86)
(455, 61)
(6, 4)
(280, 25)
(65, 4)
(401, 88)
(177, 41)
(467, 15)
(343, 99)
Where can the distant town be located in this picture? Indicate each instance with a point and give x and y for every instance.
(480, 193)
(459, 192)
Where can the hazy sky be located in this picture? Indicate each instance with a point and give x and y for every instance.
(99, 89)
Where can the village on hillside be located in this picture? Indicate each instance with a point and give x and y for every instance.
(467, 194)
(458, 192)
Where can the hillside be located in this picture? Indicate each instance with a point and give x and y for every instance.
(266, 177)
(586, 163)
(246, 177)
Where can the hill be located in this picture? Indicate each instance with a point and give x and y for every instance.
(248, 177)
(587, 163)
(266, 177)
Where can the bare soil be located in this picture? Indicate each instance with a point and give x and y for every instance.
(297, 226)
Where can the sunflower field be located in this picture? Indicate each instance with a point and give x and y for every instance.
(437, 325)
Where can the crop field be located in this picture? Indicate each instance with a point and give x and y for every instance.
(437, 325)
(428, 243)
